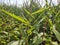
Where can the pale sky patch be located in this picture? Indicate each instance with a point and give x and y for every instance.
(20, 2)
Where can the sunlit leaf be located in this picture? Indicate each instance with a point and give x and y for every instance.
(40, 10)
(57, 34)
(16, 17)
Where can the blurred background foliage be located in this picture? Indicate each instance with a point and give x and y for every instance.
(30, 24)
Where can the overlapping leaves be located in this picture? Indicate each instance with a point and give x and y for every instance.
(31, 34)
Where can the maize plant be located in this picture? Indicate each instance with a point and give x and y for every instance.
(30, 24)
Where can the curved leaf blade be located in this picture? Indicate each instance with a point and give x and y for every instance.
(16, 17)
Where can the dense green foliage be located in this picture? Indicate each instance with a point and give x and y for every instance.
(30, 25)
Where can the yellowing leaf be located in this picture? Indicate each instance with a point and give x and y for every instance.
(16, 17)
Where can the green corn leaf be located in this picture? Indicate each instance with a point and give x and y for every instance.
(57, 14)
(57, 34)
(50, 22)
(19, 42)
(28, 12)
(29, 32)
(38, 22)
(38, 41)
(40, 10)
(16, 17)
(34, 26)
